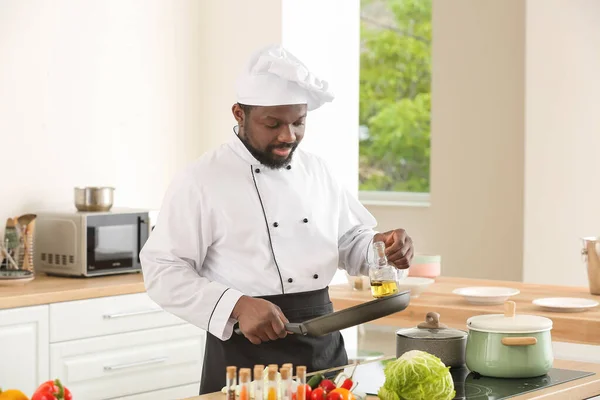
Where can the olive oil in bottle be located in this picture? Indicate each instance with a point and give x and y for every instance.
(383, 277)
(383, 288)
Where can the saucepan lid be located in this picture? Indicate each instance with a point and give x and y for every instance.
(509, 322)
(432, 329)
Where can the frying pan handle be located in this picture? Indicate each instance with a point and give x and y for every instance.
(296, 328)
(291, 327)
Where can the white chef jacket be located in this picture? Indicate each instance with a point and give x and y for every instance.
(229, 226)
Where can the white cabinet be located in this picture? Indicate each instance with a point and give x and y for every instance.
(117, 347)
(24, 348)
(124, 347)
(105, 316)
(129, 363)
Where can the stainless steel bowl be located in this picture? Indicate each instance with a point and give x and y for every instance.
(93, 198)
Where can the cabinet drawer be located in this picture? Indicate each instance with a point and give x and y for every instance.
(174, 393)
(129, 363)
(105, 316)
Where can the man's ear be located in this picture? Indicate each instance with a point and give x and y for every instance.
(238, 114)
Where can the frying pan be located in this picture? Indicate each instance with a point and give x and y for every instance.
(348, 317)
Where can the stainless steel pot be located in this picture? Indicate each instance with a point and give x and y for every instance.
(435, 338)
(94, 198)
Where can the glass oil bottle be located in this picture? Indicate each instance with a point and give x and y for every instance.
(301, 377)
(231, 382)
(272, 387)
(383, 276)
(244, 379)
(258, 381)
(286, 382)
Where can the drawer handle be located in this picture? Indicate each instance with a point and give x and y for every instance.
(129, 314)
(135, 364)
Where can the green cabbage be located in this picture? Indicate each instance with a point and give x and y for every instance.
(417, 375)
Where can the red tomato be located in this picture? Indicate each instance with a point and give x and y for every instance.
(335, 396)
(318, 394)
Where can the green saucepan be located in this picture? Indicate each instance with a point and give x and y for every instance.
(508, 345)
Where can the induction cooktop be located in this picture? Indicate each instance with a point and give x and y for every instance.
(469, 385)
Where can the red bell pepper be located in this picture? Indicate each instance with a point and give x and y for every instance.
(52, 390)
(327, 385)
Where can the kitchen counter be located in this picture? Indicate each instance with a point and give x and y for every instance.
(48, 289)
(582, 327)
(578, 389)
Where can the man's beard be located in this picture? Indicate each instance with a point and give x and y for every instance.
(266, 157)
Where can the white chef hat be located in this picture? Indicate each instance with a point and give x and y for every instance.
(273, 76)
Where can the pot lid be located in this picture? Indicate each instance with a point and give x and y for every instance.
(431, 329)
(509, 322)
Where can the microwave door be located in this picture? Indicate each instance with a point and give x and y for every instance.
(112, 247)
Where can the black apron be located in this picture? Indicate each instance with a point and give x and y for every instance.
(316, 353)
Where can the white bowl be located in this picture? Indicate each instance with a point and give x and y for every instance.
(416, 285)
(486, 295)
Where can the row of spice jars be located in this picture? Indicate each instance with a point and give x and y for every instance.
(286, 372)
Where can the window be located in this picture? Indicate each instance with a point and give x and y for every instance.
(395, 100)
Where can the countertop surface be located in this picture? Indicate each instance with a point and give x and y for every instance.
(580, 327)
(49, 289)
(577, 327)
(583, 388)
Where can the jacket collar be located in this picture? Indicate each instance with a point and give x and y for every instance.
(240, 149)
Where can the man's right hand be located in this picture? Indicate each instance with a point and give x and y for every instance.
(259, 320)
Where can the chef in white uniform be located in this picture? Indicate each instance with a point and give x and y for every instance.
(252, 232)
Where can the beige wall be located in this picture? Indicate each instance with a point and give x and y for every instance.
(116, 92)
(562, 196)
(233, 29)
(475, 220)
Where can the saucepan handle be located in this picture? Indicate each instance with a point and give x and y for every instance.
(519, 341)
(296, 328)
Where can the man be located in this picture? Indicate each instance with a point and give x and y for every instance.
(253, 231)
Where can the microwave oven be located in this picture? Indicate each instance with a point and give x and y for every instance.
(86, 244)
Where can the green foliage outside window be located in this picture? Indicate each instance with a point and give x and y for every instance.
(395, 95)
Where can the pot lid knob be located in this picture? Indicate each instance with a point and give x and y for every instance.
(432, 321)
(509, 309)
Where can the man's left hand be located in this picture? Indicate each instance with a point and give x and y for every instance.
(398, 247)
